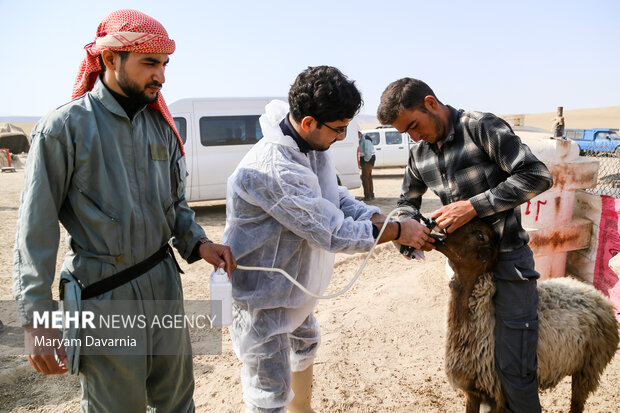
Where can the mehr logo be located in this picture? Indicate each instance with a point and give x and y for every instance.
(66, 319)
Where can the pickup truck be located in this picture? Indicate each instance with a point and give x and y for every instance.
(596, 141)
(391, 146)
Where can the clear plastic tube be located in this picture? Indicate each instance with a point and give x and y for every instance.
(348, 286)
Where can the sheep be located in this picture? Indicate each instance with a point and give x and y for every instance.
(578, 331)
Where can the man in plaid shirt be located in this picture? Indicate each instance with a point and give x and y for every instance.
(478, 167)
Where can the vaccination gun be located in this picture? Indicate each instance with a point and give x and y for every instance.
(429, 223)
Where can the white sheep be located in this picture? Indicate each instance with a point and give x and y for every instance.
(578, 331)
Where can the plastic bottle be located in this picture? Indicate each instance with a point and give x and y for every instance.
(221, 291)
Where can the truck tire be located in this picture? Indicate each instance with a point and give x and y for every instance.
(617, 152)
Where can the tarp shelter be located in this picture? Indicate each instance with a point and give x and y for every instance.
(13, 138)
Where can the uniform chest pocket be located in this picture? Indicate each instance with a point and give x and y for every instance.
(159, 152)
(98, 228)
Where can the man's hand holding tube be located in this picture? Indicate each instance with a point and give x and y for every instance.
(416, 235)
(412, 233)
(415, 251)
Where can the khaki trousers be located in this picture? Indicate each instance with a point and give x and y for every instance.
(367, 177)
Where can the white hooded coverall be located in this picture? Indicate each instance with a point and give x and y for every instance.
(284, 209)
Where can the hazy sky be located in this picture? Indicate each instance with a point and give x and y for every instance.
(497, 56)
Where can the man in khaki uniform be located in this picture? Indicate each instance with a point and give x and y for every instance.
(109, 165)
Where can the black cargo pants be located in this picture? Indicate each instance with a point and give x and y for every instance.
(516, 329)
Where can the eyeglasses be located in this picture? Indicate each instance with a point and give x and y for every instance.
(339, 131)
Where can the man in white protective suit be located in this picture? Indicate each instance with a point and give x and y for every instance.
(284, 209)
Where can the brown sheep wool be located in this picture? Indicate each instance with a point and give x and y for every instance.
(578, 331)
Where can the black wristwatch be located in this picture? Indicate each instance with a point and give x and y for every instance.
(375, 231)
(201, 241)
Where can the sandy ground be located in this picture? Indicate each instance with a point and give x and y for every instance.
(383, 341)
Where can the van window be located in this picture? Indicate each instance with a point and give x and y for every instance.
(393, 138)
(229, 130)
(374, 136)
(181, 124)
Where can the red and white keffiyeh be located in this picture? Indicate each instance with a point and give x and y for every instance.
(130, 31)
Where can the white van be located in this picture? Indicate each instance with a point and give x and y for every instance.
(218, 132)
(391, 146)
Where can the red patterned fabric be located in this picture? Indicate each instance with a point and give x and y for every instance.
(605, 279)
(130, 31)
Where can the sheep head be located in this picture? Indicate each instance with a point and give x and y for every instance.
(472, 249)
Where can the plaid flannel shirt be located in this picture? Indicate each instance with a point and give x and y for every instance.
(483, 161)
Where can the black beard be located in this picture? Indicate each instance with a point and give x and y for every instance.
(133, 91)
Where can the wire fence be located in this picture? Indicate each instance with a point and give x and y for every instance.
(608, 172)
